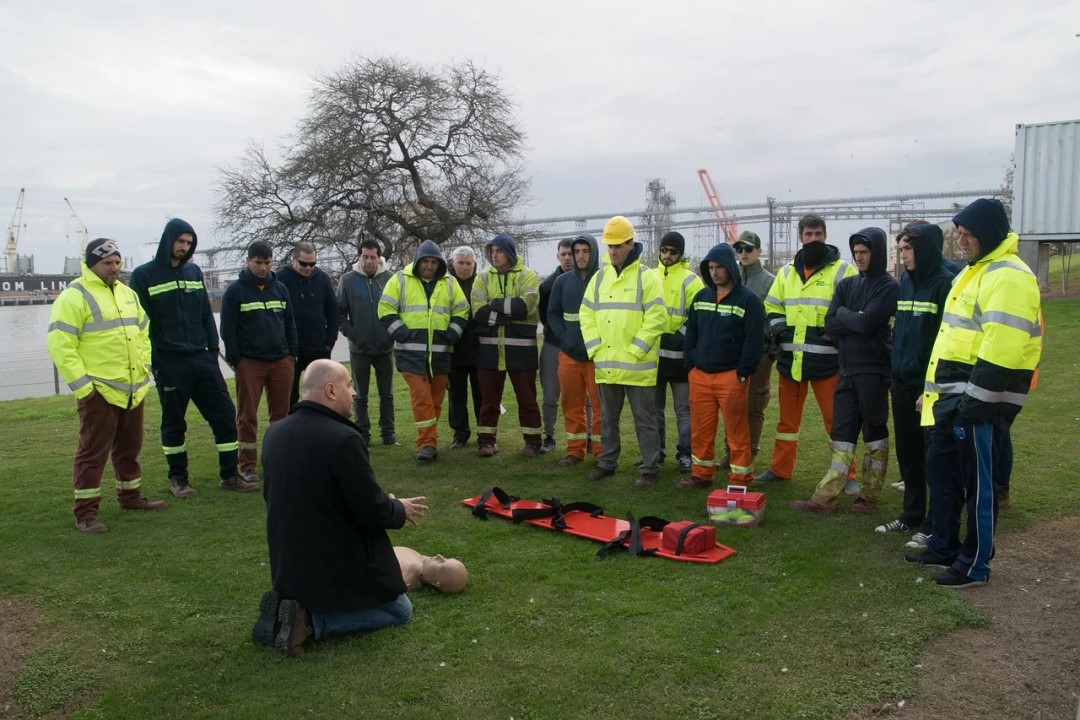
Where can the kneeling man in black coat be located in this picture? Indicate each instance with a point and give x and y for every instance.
(332, 564)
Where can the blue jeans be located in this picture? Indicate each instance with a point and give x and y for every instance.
(374, 617)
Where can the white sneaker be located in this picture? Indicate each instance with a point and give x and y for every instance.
(897, 486)
(851, 487)
(918, 540)
(891, 527)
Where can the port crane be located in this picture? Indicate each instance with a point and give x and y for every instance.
(728, 225)
(80, 227)
(11, 251)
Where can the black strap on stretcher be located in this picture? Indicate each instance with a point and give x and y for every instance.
(634, 547)
(682, 536)
(504, 498)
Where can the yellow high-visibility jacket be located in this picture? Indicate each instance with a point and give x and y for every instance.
(679, 284)
(505, 308)
(989, 343)
(99, 339)
(423, 329)
(795, 315)
(622, 318)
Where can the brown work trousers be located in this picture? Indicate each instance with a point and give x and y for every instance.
(106, 430)
(252, 376)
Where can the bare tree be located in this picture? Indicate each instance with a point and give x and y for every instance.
(397, 151)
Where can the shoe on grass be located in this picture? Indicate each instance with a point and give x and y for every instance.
(810, 506)
(458, 444)
(954, 579)
(918, 541)
(266, 627)
(770, 477)
(862, 506)
(488, 449)
(646, 479)
(547, 446)
(243, 483)
(293, 628)
(692, 483)
(599, 473)
(141, 503)
(427, 453)
(569, 461)
(684, 465)
(91, 526)
(851, 487)
(897, 486)
(180, 487)
(927, 558)
(891, 527)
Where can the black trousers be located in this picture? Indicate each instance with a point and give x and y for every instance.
(302, 361)
(861, 405)
(910, 440)
(194, 377)
(461, 379)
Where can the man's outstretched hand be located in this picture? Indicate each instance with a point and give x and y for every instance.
(414, 508)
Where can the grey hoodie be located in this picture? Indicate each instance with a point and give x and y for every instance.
(358, 310)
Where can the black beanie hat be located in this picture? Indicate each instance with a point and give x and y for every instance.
(674, 240)
(987, 221)
(99, 249)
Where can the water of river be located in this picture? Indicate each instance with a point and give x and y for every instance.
(25, 367)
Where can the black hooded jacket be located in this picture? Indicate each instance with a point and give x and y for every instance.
(174, 298)
(858, 316)
(315, 309)
(919, 308)
(257, 320)
(725, 334)
(565, 303)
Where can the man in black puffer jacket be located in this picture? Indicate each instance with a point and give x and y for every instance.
(858, 322)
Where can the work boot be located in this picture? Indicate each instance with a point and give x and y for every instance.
(390, 440)
(568, 461)
(547, 446)
(684, 465)
(427, 453)
(1004, 502)
(141, 503)
(646, 479)
(241, 483)
(459, 443)
(599, 473)
(862, 506)
(293, 630)
(488, 449)
(532, 449)
(770, 477)
(91, 526)
(180, 487)
(266, 627)
(810, 506)
(693, 483)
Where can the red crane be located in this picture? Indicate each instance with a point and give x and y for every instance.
(729, 225)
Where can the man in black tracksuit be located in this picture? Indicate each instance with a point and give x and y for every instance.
(315, 310)
(549, 352)
(858, 322)
(184, 339)
(923, 289)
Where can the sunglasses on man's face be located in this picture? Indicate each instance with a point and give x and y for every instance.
(744, 248)
(668, 251)
(306, 264)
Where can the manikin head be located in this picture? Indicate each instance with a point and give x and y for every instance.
(447, 575)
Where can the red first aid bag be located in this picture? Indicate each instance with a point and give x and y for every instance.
(688, 537)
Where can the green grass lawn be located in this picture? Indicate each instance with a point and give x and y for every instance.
(812, 618)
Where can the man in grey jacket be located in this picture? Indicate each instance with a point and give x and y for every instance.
(359, 291)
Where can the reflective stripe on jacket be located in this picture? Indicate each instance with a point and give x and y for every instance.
(99, 339)
(622, 317)
(423, 328)
(989, 343)
(795, 312)
(505, 308)
(678, 286)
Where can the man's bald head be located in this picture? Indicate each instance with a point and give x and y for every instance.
(328, 383)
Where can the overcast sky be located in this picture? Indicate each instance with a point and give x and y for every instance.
(130, 108)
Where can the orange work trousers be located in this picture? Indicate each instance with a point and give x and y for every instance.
(712, 393)
(577, 385)
(792, 398)
(426, 393)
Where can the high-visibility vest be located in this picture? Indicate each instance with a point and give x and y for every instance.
(506, 346)
(795, 310)
(679, 284)
(424, 329)
(622, 317)
(99, 339)
(990, 339)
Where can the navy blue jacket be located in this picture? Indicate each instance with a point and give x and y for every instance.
(858, 316)
(919, 308)
(545, 297)
(565, 303)
(174, 298)
(314, 307)
(257, 322)
(726, 334)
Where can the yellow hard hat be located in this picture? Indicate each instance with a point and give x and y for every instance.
(618, 230)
